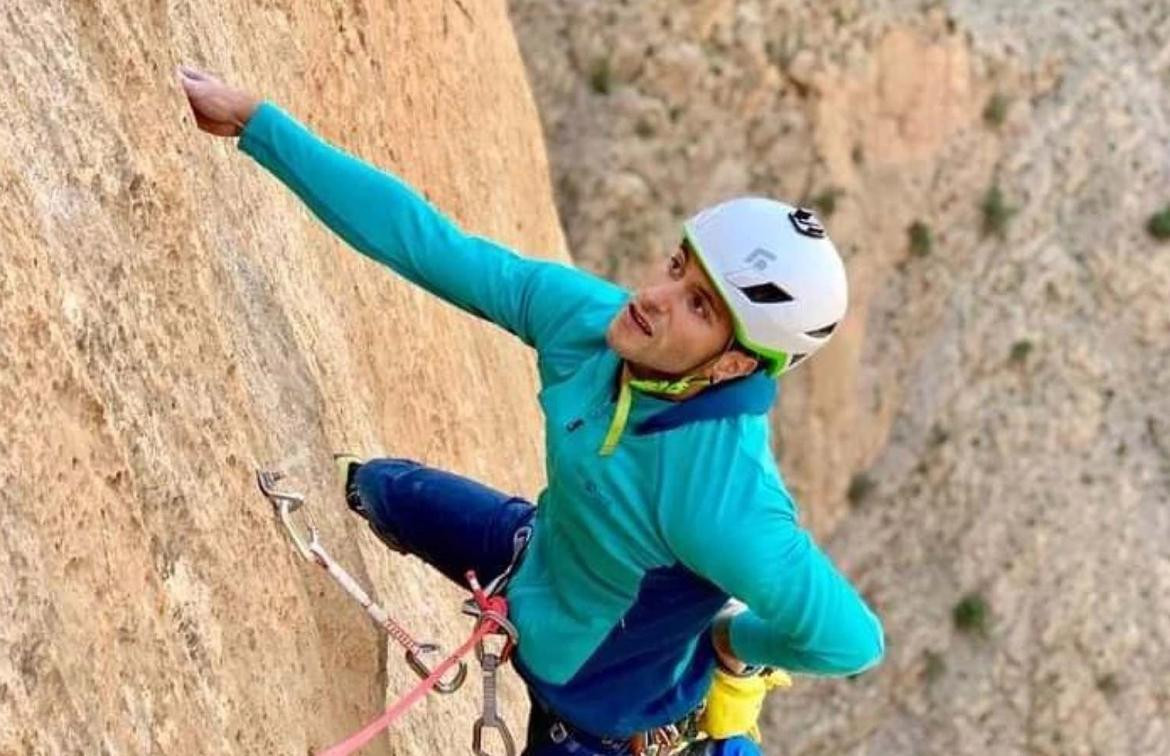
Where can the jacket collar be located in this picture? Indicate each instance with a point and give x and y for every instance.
(752, 395)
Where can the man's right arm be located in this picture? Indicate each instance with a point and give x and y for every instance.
(386, 220)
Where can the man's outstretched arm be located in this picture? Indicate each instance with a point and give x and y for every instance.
(386, 220)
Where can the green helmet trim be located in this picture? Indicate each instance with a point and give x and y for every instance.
(775, 361)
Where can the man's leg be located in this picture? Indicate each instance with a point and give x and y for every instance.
(453, 523)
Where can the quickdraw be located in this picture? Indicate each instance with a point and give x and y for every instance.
(491, 610)
(448, 675)
(312, 550)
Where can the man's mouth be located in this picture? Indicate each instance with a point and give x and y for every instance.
(639, 320)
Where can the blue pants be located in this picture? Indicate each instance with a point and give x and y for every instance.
(455, 525)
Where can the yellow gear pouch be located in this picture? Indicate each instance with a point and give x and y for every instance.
(734, 703)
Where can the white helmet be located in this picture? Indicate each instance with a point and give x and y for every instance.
(777, 271)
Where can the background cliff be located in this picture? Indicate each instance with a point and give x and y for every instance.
(985, 446)
(170, 317)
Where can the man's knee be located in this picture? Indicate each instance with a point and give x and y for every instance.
(375, 487)
(379, 481)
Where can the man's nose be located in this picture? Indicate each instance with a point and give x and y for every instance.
(655, 299)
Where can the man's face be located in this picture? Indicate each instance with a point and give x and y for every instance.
(675, 323)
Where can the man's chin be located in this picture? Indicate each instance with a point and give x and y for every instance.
(630, 347)
(617, 343)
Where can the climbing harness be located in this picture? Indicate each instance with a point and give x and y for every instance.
(681, 737)
(489, 608)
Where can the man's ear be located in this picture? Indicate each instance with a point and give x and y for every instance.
(732, 364)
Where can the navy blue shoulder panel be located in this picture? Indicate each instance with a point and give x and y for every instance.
(752, 395)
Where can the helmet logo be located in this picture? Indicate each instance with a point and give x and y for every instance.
(806, 224)
(759, 258)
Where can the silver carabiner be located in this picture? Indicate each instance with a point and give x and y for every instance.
(448, 684)
(477, 737)
(286, 503)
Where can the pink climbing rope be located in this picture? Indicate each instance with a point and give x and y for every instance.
(491, 607)
(492, 611)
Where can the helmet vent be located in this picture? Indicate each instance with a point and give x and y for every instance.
(766, 293)
(795, 359)
(806, 224)
(821, 333)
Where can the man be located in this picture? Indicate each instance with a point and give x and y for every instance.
(663, 498)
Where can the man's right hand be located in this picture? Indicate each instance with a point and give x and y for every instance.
(721, 637)
(219, 109)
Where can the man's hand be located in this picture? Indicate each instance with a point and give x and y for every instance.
(219, 109)
(721, 637)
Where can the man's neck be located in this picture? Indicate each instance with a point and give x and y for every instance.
(632, 372)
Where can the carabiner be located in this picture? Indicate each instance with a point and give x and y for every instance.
(499, 726)
(452, 682)
(286, 503)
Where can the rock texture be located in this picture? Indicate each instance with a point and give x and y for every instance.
(985, 447)
(170, 318)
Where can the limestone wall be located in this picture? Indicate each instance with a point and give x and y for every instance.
(170, 318)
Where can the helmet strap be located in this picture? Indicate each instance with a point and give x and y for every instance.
(667, 387)
(670, 387)
(691, 379)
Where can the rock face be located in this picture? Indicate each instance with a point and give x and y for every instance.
(985, 446)
(170, 318)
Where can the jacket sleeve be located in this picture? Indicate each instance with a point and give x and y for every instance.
(385, 219)
(803, 615)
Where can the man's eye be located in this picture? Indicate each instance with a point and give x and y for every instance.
(674, 265)
(698, 305)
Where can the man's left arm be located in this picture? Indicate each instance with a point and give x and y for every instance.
(810, 619)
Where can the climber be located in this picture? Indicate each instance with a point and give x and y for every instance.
(663, 502)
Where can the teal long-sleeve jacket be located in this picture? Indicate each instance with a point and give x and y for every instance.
(633, 553)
